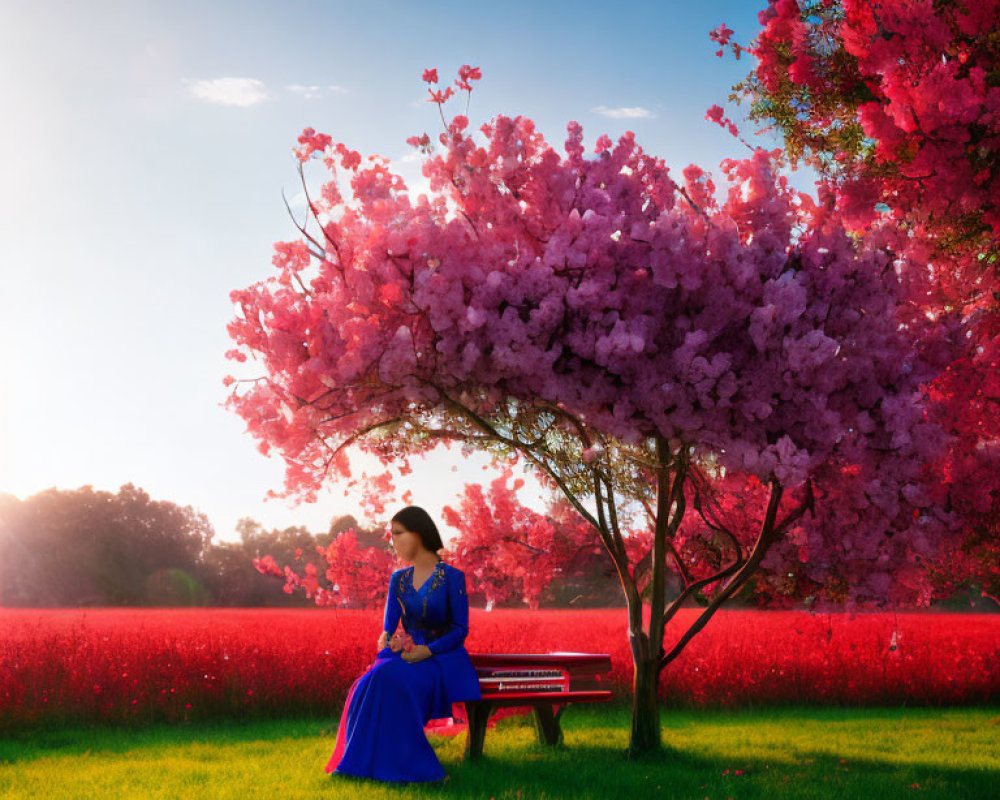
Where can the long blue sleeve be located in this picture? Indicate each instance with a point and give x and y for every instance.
(458, 613)
(393, 608)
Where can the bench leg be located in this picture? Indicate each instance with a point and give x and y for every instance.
(477, 713)
(547, 723)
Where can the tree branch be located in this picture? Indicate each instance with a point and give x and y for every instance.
(326, 236)
(667, 495)
(716, 525)
(613, 515)
(320, 255)
(767, 536)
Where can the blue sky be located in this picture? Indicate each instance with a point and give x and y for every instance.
(144, 149)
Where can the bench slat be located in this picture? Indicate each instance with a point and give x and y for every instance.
(527, 698)
(599, 662)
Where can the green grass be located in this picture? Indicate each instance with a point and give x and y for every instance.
(782, 753)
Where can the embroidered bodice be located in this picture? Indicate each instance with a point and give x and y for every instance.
(436, 613)
(429, 586)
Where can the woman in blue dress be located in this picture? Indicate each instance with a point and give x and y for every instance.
(381, 732)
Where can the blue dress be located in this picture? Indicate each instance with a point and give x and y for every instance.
(381, 732)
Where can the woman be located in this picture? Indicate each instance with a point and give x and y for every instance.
(381, 732)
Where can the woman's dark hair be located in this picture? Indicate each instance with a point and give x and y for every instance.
(415, 519)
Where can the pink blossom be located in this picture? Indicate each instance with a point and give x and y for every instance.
(466, 74)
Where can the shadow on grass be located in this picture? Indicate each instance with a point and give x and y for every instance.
(592, 772)
(758, 754)
(768, 756)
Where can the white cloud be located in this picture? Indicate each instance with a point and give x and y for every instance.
(625, 112)
(314, 92)
(413, 157)
(243, 92)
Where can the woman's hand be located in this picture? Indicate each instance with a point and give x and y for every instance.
(383, 641)
(417, 653)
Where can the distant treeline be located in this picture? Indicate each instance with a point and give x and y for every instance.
(80, 547)
(92, 548)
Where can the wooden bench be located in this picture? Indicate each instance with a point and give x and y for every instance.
(547, 682)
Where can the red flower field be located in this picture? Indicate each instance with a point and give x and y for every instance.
(144, 665)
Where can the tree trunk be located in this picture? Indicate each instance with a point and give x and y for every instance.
(645, 736)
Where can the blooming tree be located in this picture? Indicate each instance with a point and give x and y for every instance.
(627, 335)
(896, 103)
(512, 551)
(355, 575)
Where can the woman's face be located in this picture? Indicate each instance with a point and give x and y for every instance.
(406, 543)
